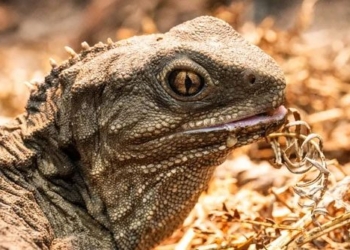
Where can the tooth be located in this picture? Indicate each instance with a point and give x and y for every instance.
(221, 119)
(206, 122)
(199, 123)
(231, 141)
(191, 124)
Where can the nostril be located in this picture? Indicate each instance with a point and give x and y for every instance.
(251, 78)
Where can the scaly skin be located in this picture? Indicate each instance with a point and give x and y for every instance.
(118, 142)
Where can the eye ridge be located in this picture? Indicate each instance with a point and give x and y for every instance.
(185, 82)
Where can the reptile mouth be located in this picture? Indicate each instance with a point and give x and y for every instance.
(275, 116)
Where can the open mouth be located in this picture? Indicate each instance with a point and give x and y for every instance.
(266, 118)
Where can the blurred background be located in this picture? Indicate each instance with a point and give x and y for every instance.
(310, 39)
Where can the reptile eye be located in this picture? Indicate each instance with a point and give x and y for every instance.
(185, 82)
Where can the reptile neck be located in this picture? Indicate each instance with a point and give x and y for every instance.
(12, 149)
(50, 173)
(32, 158)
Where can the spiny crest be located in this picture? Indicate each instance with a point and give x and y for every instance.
(70, 51)
(41, 106)
(109, 41)
(53, 63)
(85, 45)
(86, 48)
(32, 85)
(86, 52)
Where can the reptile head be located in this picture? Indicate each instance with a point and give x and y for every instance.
(152, 117)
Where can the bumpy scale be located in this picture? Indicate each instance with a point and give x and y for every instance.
(119, 141)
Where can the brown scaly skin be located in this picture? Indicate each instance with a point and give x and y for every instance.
(118, 142)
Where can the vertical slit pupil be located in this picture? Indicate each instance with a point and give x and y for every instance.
(185, 83)
(188, 84)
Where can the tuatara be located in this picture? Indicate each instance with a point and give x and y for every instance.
(118, 142)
